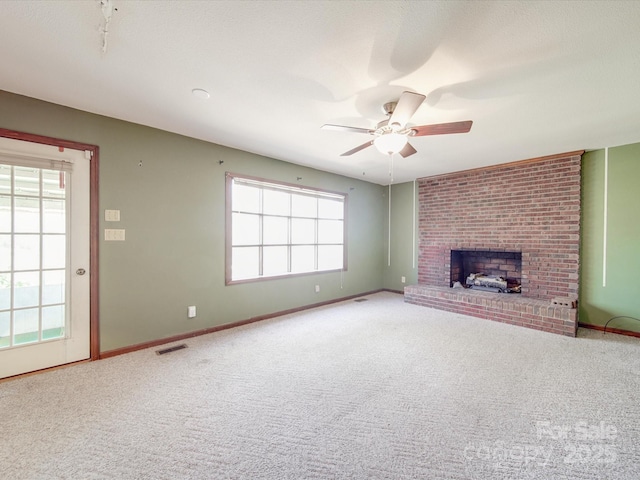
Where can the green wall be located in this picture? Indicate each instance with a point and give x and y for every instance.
(619, 296)
(173, 210)
(401, 261)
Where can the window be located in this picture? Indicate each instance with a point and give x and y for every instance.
(275, 229)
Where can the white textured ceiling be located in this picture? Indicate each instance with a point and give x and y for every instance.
(537, 78)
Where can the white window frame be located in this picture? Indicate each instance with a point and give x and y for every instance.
(262, 185)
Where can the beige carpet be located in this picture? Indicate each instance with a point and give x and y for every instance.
(377, 389)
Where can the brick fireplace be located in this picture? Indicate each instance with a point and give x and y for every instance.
(529, 211)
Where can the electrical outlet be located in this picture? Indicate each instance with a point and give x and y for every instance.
(317, 288)
(403, 279)
(191, 311)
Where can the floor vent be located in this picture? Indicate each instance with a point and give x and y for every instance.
(361, 299)
(171, 349)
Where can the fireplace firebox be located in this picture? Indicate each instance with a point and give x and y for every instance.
(489, 270)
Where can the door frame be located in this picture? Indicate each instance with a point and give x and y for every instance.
(94, 227)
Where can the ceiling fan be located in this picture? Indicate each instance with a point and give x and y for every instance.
(392, 135)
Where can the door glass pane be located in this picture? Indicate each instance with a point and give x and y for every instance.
(330, 231)
(53, 251)
(5, 179)
(26, 214)
(303, 230)
(26, 181)
(5, 213)
(245, 262)
(276, 203)
(25, 326)
(5, 291)
(26, 289)
(246, 229)
(275, 230)
(303, 258)
(51, 184)
(53, 216)
(26, 252)
(245, 199)
(53, 287)
(5, 252)
(304, 206)
(328, 208)
(330, 257)
(275, 260)
(53, 322)
(5, 329)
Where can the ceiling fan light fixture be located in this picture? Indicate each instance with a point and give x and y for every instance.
(390, 143)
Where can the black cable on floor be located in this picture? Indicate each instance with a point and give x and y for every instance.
(613, 318)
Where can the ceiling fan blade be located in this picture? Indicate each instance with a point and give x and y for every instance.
(406, 107)
(407, 150)
(357, 149)
(342, 128)
(442, 128)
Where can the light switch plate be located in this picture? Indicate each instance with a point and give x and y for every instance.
(112, 215)
(113, 234)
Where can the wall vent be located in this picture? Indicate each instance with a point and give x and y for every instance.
(171, 349)
(361, 299)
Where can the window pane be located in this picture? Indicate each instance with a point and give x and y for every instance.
(303, 259)
(5, 179)
(330, 257)
(53, 322)
(274, 260)
(330, 231)
(328, 208)
(26, 214)
(245, 198)
(303, 230)
(245, 229)
(275, 230)
(5, 291)
(26, 181)
(25, 326)
(53, 284)
(54, 251)
(5, 318)
(26, 289)
(53, 220)
(27, 252)
(51, 183)
(5, 252)
(276, 203)
(304, 206)
(244, 262)
(5, 214)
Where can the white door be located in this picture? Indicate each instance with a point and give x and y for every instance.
(44, 256)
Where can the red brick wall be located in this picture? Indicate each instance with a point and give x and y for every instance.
(531, 207)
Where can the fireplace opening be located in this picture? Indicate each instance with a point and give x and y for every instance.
(489, 270)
